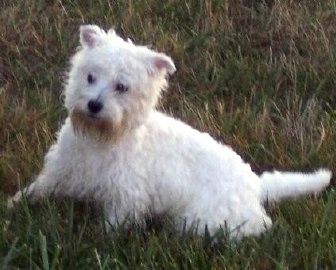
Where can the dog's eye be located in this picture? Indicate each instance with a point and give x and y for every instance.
(91, 79)
(121, 88)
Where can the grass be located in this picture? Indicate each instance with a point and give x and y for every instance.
(258, 75)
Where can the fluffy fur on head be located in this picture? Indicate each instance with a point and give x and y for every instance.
(126, 80)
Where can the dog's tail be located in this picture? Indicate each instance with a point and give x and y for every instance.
(277, 185)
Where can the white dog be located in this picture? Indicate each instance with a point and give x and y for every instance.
(116, 149)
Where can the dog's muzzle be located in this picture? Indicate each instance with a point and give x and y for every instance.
(90, 123)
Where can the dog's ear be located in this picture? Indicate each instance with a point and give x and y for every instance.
(159, 62)
(91, 35)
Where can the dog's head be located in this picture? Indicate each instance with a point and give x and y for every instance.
(113, 84)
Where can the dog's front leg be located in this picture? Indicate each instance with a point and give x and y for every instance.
(43, 186)
(121, 215)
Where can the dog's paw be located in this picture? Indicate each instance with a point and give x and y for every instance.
(13, 201)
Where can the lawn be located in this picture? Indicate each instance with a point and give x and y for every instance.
(257, 75)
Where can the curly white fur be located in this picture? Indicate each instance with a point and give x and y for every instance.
(137, 161)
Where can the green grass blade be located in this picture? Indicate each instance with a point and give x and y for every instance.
(9, 255)
(44, 251)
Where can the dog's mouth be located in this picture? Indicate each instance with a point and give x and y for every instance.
(92, 116)
(93, 124)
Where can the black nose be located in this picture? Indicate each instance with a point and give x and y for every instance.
(95, 106)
